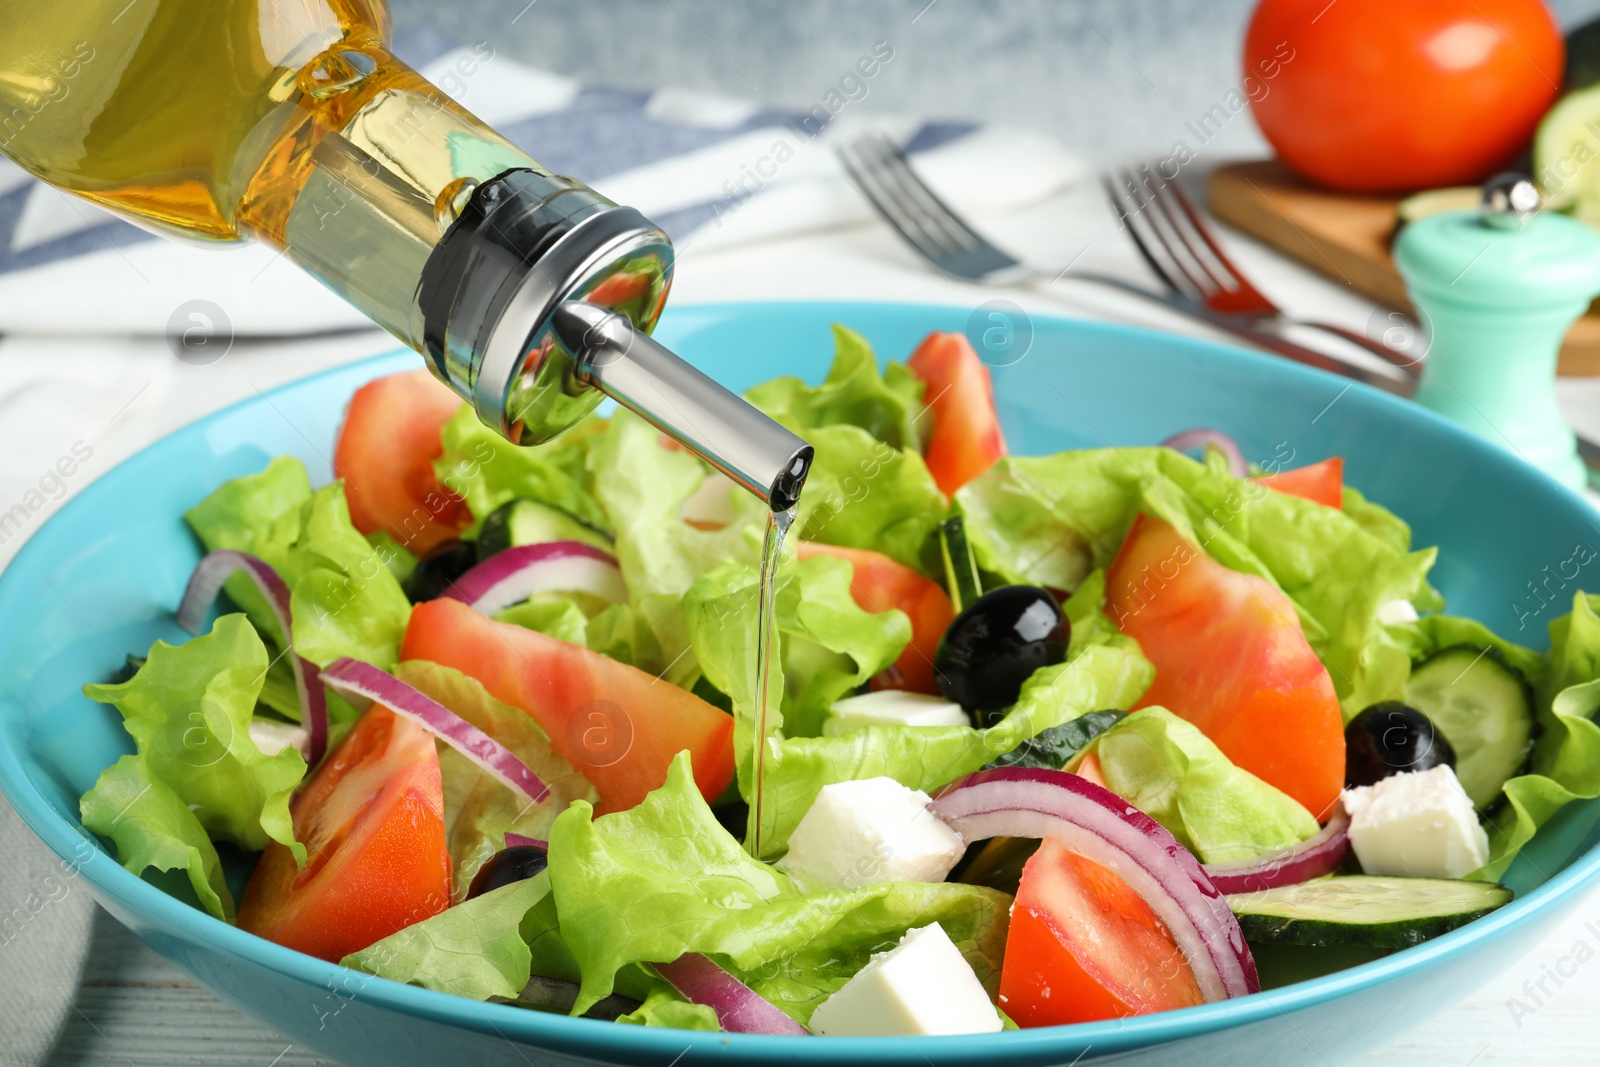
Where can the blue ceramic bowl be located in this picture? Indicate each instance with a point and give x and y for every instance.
(103, 576)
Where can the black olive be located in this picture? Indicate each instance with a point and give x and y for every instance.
(439, 569)
(515, 864)
(1391, 737)
(996, 644)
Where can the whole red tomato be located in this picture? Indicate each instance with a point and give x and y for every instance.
(1396, 95)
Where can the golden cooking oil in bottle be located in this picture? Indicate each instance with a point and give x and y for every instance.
(290, 122)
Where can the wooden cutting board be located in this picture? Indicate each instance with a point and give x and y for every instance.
(1347, 239)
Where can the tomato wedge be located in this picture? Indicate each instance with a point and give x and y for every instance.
(372, 820)
(385, 455)
(1230, 657)
(966, 437)
(619, 726)
(1083, 946)
(878, 583)
(1320, 482)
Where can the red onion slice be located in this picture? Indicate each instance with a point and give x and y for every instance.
(1311, 858)
(518, 841)
(512, 576)
(740, 1009)
(204, 585)
(1104, 828)
(1191, 439)
(353, 678)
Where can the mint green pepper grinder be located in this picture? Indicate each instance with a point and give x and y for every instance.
(1498, 289)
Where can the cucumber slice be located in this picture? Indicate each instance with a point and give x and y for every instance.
(529, 522)
(1058, 746)
(960, 566)
(1363, 910)
(1566, 154)
(1484, 708)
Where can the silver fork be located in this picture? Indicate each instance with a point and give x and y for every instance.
(1158, 215)
(1179, 247)
(880, 171)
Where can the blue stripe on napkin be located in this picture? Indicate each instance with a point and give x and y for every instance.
(603, 132)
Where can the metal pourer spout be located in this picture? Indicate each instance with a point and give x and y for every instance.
(717, 425)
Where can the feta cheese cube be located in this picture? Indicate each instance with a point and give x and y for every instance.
(869, 831)
(1420, 824)
(892, 707)
(921, 986)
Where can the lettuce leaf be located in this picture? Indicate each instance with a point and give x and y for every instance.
(830, 646)
(1104, 669)
(619, 631)
(486, 470)
(1393, 649)
(197, 774)
(152, 827)
(345, 598)
(1574, 649)
(1051, 520)
(1565, 765)
(188, 710)
(868, 486)
(887, 406)
(550, 614)
(864, 493)
(475, 949)
(1566, 755)
(1168, 769)
(400, 560)
(663, 1005)
(479, 811)
(664, 878)
(642, 486)
(623, 633)
(259, 514)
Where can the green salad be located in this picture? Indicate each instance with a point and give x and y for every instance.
(1050, 738)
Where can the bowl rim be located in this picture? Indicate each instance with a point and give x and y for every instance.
(584, 1036)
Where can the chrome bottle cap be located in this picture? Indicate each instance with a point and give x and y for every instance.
(538, 302)
(522, 244)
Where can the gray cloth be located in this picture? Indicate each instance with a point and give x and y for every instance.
(44, 939)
